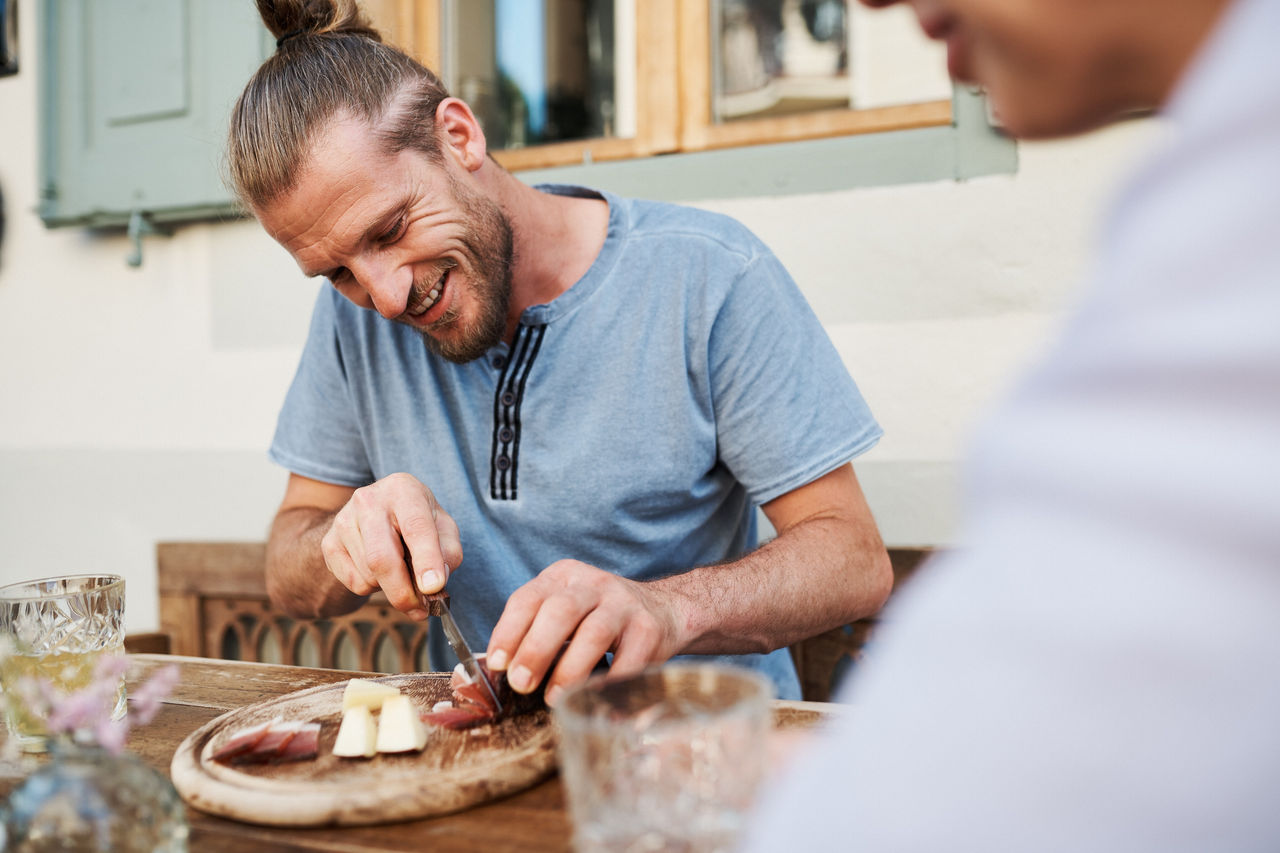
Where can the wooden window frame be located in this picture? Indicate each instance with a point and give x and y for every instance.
(673, 108)
(700, 132)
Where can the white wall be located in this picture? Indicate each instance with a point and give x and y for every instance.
(136, 404)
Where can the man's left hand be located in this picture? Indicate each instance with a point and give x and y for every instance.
(592, 610)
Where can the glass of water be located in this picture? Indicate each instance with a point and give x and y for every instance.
(55, 630)
(667, 760)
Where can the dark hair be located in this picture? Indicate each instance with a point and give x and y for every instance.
(329, 60)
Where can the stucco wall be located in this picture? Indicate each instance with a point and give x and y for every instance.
(136, 404)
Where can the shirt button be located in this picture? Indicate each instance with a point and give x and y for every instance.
(505, 434)
(504, 462)
(499, 362)
(508, 398)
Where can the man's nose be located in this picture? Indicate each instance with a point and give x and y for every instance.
(386, 284)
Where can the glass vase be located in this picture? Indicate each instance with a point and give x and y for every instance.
(87, 799)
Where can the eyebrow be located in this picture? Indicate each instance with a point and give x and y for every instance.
(376, 228)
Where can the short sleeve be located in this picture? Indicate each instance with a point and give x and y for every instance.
(317, 434)
(787, 410)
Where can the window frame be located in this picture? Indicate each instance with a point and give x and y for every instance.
(674, 97)
(700, 132)
(812, 153)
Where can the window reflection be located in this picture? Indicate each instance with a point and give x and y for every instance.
(777, 57)
(535, 72)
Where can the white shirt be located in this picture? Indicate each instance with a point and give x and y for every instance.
(1099, 669)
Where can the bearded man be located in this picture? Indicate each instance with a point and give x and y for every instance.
(566, 404)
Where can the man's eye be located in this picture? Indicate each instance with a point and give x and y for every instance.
(393, 233)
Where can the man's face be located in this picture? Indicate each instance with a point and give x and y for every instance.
(1055, 67)
(401, 236)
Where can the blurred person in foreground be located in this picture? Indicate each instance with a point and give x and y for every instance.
(588, 395)
(1098, 667)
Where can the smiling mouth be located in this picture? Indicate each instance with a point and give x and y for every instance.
(424, 302)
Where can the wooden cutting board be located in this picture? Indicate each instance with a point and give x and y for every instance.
(456, 770)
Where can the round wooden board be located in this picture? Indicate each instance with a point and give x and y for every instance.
(455, 770)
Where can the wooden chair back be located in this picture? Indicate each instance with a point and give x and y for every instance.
(213, 603)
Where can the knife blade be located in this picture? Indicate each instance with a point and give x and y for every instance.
(437, 605)
(460, 648)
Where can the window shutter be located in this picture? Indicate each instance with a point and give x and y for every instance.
(135, 96)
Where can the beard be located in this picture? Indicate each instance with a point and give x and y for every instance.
(488, 257)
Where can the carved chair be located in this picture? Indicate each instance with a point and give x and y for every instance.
(213, 603)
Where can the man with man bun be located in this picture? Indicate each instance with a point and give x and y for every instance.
(565, 403)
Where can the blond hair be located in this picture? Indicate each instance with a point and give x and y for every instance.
(329, 60)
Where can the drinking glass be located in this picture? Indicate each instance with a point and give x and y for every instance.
(55, 630)
(667, 760)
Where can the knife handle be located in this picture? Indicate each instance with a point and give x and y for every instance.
(433, 603)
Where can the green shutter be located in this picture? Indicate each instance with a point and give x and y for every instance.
(135, 96)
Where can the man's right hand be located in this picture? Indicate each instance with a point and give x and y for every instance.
(375, 534)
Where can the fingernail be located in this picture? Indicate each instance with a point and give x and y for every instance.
(520, 679)
(431, 581)
(497, 661)
(417, 615)
(553, 695)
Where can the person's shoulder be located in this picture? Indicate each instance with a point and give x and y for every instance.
(694, 225)
(660, 216)
(643, 219)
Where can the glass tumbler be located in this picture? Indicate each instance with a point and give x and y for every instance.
(55, 630)
(667, 760)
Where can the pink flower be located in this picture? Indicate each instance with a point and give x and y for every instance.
(85, 714)
(147, 698)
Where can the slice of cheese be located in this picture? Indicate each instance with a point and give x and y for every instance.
(401, 729)
(370, 694)
(358, 734)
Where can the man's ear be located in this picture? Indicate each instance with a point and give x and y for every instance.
(460, 133)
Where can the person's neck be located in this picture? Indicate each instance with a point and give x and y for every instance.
(556, 240)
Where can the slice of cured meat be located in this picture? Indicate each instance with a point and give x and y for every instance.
(271, 742)
(458, 718)
(472, 705)
(243, 741)
(304, 744)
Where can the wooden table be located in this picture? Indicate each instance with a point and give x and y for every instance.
(533, 820)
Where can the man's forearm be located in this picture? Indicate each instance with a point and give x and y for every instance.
(298, 582)
(819, 574)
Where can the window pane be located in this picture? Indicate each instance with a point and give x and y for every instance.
(536, 72)
(776, 57)
(779, 57)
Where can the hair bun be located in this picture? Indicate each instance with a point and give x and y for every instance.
(287, 19)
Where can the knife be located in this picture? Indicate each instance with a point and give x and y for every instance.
(437, 605)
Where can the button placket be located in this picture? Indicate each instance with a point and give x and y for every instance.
(514, 368)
